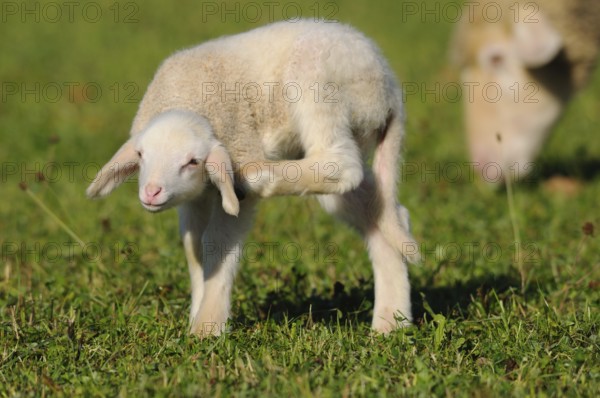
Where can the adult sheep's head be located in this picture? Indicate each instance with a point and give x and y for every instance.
(176, 155)
(515, 84)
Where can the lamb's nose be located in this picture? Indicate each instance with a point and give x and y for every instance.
(152, 190)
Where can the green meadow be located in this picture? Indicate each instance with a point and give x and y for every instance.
(94, 295)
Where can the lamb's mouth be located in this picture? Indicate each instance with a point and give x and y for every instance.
(155, 208)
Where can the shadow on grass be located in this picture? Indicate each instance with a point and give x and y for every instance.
(453, 300)
(291, 302)
(356, 302)
(582, 168)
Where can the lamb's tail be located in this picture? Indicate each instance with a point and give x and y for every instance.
(394, 220)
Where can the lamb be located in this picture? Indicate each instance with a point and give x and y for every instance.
(206, 139)
(523, 64)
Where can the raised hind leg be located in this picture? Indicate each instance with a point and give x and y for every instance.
(332, 160)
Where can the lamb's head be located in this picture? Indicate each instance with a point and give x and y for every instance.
(177, 155)
(515, 84)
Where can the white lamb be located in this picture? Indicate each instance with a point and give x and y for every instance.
(523, 61)
(286, 109)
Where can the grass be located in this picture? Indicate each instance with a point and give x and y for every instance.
(94, 295)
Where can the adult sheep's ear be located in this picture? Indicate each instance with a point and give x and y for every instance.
(536, 39)
(124, 163)
(220, 171)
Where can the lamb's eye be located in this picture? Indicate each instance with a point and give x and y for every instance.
(191, 164)
(139, 154)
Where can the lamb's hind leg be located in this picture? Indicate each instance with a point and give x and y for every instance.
(363, 208)
(332, 162)
(392, 286)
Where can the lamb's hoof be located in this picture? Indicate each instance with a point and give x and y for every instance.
(208, 329)
(386, 325)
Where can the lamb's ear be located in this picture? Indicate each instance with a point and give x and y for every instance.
(536, 39)
(124, 163)
(220, 171)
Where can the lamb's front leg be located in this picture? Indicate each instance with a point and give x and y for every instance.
(222, 247)
(193, 219)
